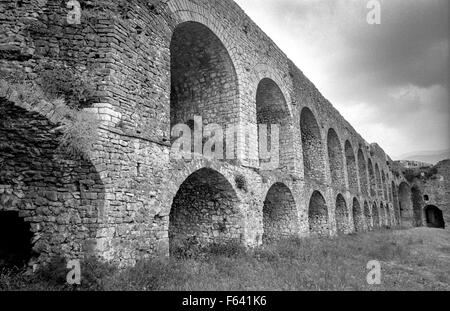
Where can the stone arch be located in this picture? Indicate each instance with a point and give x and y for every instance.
(280, 218)
(59, 195)
(352, 171)
(375, 216)
(362, 170)
(395, 203)
(385, 192)
(204, 81)
(272, 109)
(368, 216)
(357, 216)
(318, 215)
(405, 204)
(378, 181)
(417, 203)
(341, 215)
(336, 159)
(205, 210)
(313, 153)
(372, 181)
(434, 217)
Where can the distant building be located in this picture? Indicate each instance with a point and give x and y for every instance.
(413, 164)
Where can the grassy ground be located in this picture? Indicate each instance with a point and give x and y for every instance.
(416, 259)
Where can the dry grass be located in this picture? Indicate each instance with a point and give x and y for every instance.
(414, 259)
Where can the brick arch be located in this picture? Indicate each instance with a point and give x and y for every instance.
(272, 109)
(352, 170)
(280, 213)
(312, 146)
(318, 215)
(206, 209)
(341, 215)
(336, 159)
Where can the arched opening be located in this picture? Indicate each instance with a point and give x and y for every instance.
(378, 181)
(203, 78)
(318, 215)
(372, 181)
(205, 210)
(375, 216)
(351, 168)
(362, 168)
(395, 203)
(368, 216)
(313, 157)
(279, 214)
(434, 217)
(336, 159)
(341, 215)
(382, 215)
(357, 216)
(271, 109)
(385, 193)
(15, 240)
(417, 202)
(405, 204)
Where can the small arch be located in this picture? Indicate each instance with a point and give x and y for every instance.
(341, 215)
(357, 216)
(336, 159)
(272, 109)
(205, 210)
(368, 216)
(318, 215)
(434, 217)
(279, 213)
(362, 169)
(352, 170)
(313, 153)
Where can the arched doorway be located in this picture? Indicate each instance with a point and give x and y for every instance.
(318, 215)
(280, 217)
(434, 217)
(204, 211)
(341, 215)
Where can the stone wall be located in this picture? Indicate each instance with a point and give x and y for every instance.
(152, 64)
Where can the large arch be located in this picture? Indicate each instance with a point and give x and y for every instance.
(336, 159)
(368, 216)
(341, 215)
(372, 180)
(362, 170)
(280, 217)
(357, 216)
(434, 217)
(318, 215)
(352, 171)
(313, 153)
(375, 216)
(205, 210)
(417, 203)
(405, 204)
(203, 78)
(272, 109)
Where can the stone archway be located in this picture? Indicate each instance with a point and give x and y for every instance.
(362, 170)
(341, 215)
(318, 215)
(357, 216)
(313, 153)
(352, 171)
(205, 211)
(336, 159)
(280, 218)
(434, 217)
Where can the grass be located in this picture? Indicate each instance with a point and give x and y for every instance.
(415, 259)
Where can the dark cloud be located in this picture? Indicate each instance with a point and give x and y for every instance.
(391, 81)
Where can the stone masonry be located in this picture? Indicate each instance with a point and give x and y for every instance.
(155, 64)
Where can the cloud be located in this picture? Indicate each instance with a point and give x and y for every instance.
(391, 81)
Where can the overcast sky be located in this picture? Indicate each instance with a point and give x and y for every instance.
(390, 81)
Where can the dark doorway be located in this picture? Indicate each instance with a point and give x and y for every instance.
(15, 240)
(434, 217)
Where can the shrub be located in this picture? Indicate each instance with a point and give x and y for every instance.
(241, 183)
